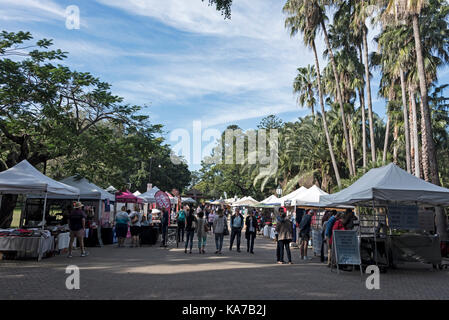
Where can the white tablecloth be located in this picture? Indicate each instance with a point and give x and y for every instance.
(63, 240)
(266, 231)
(34, 247)
(272, 233)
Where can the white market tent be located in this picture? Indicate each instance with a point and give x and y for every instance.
(23, 178)
(293, 196)
(137, 193)
(245, 202)
(149, 195)
(271, 200)
(87, 190)
(390, 184)
(312, 195)
(187, 200)
(111, 189)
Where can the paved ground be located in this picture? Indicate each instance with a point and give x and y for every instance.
(159, 273)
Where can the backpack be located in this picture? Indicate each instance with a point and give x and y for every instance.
(181, 216)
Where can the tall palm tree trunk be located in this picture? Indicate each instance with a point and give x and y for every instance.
(323, 111)
(387, 134)
(430, 145)
(339, 98)
(395, 142)
(412, 148)
(368, 92)
(424, 145)
(415, 131)
(406, 127)
(362, 109)
(351, 142)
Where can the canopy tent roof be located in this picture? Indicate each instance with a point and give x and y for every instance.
(246, 202)
(127, 197)
(23, 178)
(311, 195)
(137, 193)
(390, 184)
(187, 200)
(111, 189)
(87, 190)
(149, 195)
(292, 196)
(271, 200)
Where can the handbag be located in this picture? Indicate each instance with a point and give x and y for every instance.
(206, 227)
(225, 230)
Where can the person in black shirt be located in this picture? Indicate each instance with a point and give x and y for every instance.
(77, 225)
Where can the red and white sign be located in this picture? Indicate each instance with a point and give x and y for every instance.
(162, 200)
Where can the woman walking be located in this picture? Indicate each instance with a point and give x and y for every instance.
(202, 230)
(284, 229)
(219, 226)
(135, 227)
(121, 226)
(191, 222)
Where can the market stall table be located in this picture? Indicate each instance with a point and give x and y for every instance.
(30, 246)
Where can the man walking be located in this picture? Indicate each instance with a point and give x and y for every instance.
(236, 225)
(304, 233)
(284, 228)
(251, 231)
(164, 227)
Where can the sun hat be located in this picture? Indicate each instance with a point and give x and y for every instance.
(77, 205)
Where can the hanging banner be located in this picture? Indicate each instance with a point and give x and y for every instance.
(346, 245)
(162, 200)
(403, 217)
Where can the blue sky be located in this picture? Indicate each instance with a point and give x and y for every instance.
(180, 58)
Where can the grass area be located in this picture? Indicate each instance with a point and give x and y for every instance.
(16, 218)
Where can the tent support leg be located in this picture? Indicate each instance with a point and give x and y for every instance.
(45, 209)
(100, 213)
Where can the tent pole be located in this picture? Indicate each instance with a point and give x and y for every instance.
(100, 213)
(375, 243)
(45, 209)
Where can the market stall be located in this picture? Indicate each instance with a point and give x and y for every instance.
(97, 206)
(395, 209)
(24, 179)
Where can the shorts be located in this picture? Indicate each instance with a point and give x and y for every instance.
(121, 230)
(77, 234)
(304, 236)
(135, 230)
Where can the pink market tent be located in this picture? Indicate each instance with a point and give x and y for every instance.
(127, 197)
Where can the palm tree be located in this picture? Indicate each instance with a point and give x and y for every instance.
(360, 16)
(304, 85)
(321, 18)
(405, 9)
(304, 17)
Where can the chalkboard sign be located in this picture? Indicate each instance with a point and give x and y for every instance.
(403, 217)
(316, 241)
(346, 246)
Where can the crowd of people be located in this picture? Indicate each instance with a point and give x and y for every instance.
(204, 220)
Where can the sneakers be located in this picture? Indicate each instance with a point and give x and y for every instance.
(307, 258)
(84, 254)
(69, 256)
